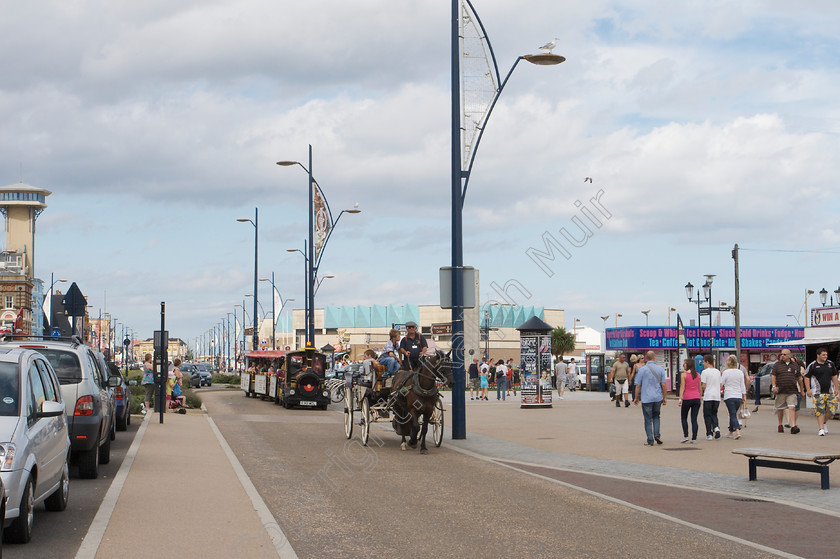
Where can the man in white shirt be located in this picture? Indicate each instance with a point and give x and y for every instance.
(560, 374)
(572, 373)
(710, 386)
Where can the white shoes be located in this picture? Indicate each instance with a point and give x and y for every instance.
(684, 440)
(821, 433)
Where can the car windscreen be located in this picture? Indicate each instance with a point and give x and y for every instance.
(66, 364)
(9, 389)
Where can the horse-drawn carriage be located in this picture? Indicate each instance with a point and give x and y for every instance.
(410, 400)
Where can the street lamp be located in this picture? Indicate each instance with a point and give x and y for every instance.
(326, 225)
(795, 318)
(646, 316)
(320, 281)
(807, 292)
(273, 315)
(460, 179)
(823, 296)
(617, 316)
(255, 223)
(49, 294)
(707, 294)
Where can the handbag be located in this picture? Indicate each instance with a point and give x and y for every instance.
(744, 413)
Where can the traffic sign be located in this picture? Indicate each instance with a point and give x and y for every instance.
(74, 301)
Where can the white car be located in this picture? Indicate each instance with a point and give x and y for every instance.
(34, 440)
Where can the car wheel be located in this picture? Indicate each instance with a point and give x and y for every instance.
(58, 500)
(20, 530)
(89, 463)
(105, 452)
(122, 422)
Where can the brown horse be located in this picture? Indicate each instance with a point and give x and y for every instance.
(415, 395)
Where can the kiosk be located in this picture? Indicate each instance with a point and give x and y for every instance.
(535, 363)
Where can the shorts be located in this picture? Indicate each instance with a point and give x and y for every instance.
(150, 391)
(621, 387)
(475, 383)
(825, 403)
(785, 401)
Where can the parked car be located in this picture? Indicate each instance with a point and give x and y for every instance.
(192, 376)
(2, 509)
(34, 440)
(122, 397)
(762, 378)
(102, 363)
(88, 405)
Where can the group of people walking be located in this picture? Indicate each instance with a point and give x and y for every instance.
(790, 381)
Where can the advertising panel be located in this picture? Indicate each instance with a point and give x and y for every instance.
(535, 363)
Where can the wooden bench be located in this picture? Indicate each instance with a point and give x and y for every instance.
(789, 460)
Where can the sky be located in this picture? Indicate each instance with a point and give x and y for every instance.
(157, 124)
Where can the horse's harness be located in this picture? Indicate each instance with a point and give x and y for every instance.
(415, 381)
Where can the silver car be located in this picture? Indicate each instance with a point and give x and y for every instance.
(34, 440)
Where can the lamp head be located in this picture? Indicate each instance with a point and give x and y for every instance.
(546, 59)
(288, 163)
(689, 290)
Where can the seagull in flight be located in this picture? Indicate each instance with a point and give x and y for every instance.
(550, 46)
(587, 179)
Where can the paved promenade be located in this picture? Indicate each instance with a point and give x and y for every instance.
(181, 478)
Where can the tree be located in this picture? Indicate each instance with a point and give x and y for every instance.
(562, 341)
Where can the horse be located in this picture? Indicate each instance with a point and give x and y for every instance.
(415, 395)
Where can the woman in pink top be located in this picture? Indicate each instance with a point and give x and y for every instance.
(689, 399)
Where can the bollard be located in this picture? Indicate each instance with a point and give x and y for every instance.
(757, 391)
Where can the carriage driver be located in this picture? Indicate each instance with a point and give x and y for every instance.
(412, 346)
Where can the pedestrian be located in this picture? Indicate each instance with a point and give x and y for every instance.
(710, 385)
(786, 383)
(571, 372)
(734, 394)
(823, 386)
(475, 382)
(148, 382)
(631, 379)
(619, 373)
(689, 401)
(509, 375)
(651, 382)
(484, 383)
(501, 379)
(562, 377)
(412, 346)
(516, 377)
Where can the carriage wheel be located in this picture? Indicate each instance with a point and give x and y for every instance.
(337, 394)
(348, 413)
(365, 420)
(437, 424)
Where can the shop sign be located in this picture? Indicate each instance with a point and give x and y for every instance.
(643, 338)
(825, 316)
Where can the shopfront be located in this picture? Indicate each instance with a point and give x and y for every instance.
(759, 344)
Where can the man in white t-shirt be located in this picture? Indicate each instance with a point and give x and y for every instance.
(571, 371)
(562, 379)
(710, 385)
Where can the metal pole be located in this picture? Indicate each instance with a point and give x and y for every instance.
(255, 340)
(310, 335)
(459, 420)
(737, 304)
(711, 333)
(273, 315)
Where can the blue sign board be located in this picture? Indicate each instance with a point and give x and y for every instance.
(643, 338)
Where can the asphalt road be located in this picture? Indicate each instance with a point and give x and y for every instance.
(334, 497)
(59, 534)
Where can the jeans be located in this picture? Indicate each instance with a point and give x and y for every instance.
(392, 365)
(501, 386)
(692, 406)
(732, 405)
(710, 409)
(651, 413)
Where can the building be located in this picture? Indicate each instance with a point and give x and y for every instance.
(357, 328)
(759, 344)
(20, 204)
(176, 348)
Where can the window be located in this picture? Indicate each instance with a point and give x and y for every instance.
(36, 391)
(50, 389)
(10, 301)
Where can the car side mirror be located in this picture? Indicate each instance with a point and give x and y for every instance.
(51, 409)
(114, 381)
(132, 382)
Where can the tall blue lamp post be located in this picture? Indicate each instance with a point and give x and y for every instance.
(256, 338)
(326, 226)
(460, 179)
